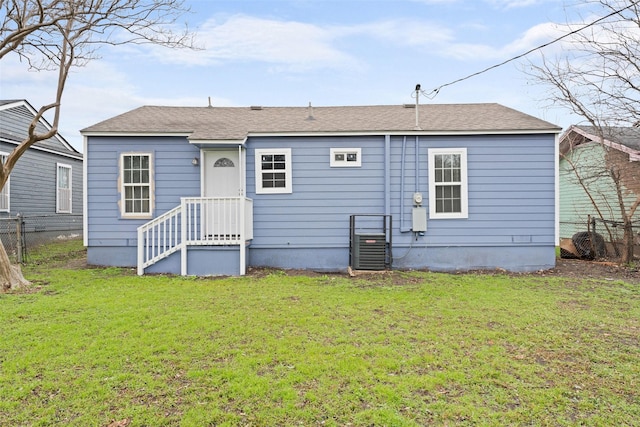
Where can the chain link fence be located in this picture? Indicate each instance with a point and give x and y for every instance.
(596, 239)
(19, 233)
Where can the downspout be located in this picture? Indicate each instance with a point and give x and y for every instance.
(241, 207)
(417, 155)
(403, 229)
(556, 188)
(240, 171)
(203, 162)
(387, 175)
(85, 193)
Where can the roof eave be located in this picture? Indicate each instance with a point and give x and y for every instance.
(217, 142)
(634, 155)
(410, 132)
(71, 154)
(129, 133)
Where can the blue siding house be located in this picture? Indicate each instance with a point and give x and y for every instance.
(45, 186)
(214, 190)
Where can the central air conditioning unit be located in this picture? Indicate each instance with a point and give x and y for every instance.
(370, 242)
(369, 252)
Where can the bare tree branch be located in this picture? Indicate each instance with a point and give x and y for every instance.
(62, 34)
(597, 77)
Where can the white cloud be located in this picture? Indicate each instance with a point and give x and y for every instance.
(436, 1)
(93, 93)
(297, 46)
(498, 4)
(534, 37)
(244, 38)
(512, 4)
(405, 32)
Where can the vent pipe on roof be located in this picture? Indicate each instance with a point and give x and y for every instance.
(417, 127)
(210, 102)
(310, 111)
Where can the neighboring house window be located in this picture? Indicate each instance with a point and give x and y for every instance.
(448, 183)
(345, 157)
(273, 171)
(136, 185)
(63, 194)
(4, 194)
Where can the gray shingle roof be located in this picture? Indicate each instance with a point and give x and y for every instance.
(235, 123)
(16, 116)
(627, 136)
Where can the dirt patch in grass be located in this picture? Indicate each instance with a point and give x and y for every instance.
(593, 270)
(576, 268)
(580, 269)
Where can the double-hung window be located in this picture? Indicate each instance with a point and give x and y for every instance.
(448, 183)
(136, 192)
(273, 171)
(63, 189)
(4, 194)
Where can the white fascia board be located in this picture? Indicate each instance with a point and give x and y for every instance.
(74, 155)
(217, 142)
(409, 133)
(153, 134)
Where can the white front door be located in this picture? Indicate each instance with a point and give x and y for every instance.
(222, 179)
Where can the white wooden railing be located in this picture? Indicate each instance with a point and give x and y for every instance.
(217, 220)
(159, 238)
(197, 221)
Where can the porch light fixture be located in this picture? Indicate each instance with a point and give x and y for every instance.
(195, 161)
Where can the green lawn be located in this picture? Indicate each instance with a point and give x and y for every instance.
(95, 347)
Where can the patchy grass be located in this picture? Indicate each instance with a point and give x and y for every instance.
(56, 254)
(100, 347)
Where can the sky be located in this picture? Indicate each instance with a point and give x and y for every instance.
(323, 52)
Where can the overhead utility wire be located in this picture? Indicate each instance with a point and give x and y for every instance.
(435, 91)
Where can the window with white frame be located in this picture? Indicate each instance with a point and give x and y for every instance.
(345, 157)
(63, 189)
(448, 183)
(136, 194)
(273, 171)
(4, 194)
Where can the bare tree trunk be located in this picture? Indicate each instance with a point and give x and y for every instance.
(61, 34)
(627, 253)
(11, 277)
